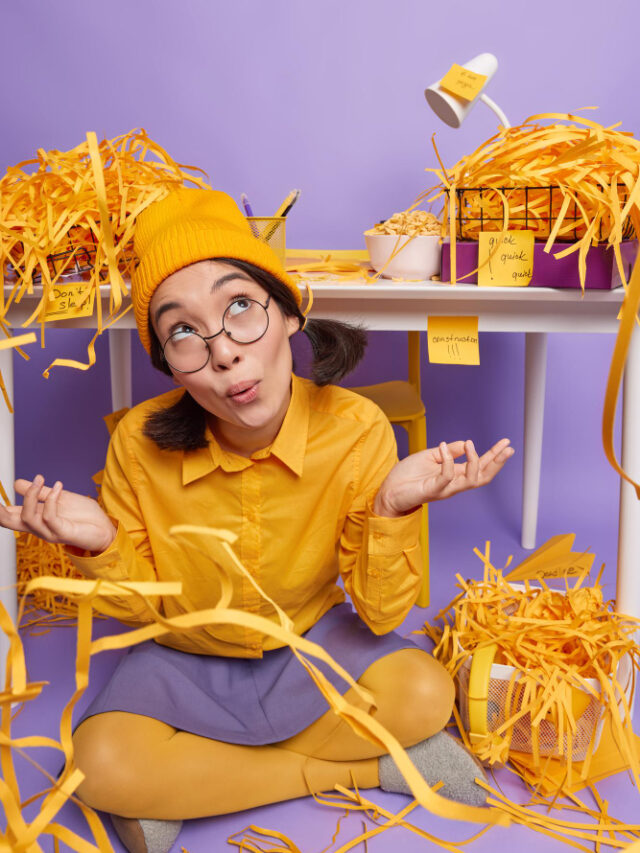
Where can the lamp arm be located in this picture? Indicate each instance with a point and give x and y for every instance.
(496, 109)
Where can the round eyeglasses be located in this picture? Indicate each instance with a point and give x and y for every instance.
(245, 321)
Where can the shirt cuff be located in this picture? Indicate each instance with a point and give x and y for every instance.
(111, 564)
(388, 536)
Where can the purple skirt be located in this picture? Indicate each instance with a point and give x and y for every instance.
(242, 700)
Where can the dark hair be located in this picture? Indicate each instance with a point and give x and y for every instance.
(336, 347)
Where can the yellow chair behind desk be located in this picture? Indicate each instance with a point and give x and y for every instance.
(399, 400)
(402, 404)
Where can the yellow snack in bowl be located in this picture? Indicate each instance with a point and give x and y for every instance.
(412, 223)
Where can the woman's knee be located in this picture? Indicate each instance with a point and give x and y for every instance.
(109, 752)
(96, 754)
(414, 694)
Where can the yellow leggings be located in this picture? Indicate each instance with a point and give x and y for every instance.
(139, 767)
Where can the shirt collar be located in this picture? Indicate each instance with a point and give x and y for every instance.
(289, 446)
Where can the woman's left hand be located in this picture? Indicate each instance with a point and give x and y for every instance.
(432, 475)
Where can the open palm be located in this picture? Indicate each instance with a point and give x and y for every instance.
(59, 516)
(433, 475)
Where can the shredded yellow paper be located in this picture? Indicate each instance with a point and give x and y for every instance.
(561, 176)
(36, 558)
(566, 664)
(343, 264)
(72, 214)
(22, 836)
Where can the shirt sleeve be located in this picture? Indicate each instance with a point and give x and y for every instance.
(379, 558)
(129, 557)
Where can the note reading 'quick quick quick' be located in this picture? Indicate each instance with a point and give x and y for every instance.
(505, 260)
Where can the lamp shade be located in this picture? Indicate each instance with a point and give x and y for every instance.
(450, 109)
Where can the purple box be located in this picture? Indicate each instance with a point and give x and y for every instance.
(602, 270)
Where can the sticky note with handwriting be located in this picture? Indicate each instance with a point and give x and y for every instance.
(553, 559)
(65, 302)
(505, 260)
(453, 340)
(462, 82)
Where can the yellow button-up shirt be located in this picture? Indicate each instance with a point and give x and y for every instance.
(301, 509)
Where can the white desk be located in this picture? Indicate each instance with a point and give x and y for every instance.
(390, 306)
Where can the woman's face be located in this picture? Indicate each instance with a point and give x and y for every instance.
(246, 388)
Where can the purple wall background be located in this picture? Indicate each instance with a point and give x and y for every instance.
(327, 97)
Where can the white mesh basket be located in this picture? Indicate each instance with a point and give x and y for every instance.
(588, 710)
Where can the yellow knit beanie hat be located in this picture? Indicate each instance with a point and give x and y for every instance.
(187, 226)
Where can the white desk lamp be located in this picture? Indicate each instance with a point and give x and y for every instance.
(452, 110)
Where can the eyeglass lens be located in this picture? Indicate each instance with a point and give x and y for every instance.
(244, 321)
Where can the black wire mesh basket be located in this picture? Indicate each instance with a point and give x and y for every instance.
(531, 208)
(76, 260)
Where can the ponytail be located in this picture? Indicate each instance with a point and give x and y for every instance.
(337, 348)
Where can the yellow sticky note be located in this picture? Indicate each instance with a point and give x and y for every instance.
(554, 559)
(462, 82)
(64, 302)
(453, 340)
(505, 260)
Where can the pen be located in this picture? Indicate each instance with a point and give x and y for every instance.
(288, 203)
(245, 203)
(281, 212)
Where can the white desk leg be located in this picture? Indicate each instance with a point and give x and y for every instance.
(628, 583)
(120, 363)
(535, 372)
(8, 593)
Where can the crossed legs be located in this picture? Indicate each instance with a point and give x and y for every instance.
(139, 767)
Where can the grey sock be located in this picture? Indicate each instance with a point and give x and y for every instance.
(159, 835)
(146, 836)
(440, 758)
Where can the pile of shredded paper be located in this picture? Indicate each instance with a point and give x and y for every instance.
(594, 172)
(558, 668)
(71, 215)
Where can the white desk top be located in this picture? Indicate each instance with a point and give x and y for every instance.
(390, 305)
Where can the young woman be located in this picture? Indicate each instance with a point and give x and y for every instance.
(306, 474)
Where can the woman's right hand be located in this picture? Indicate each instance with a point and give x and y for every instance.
(59, 516)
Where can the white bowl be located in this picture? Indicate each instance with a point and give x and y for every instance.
(415, 258)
